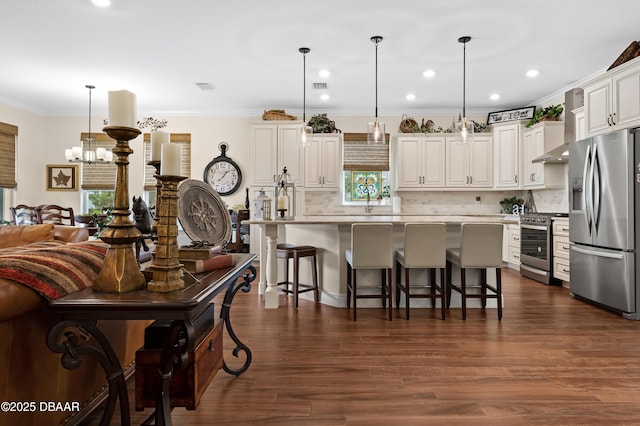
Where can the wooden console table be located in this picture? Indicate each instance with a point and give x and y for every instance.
(82, 309)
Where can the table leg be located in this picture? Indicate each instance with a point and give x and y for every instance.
(71, 350)
(232, 289)
(271, 294)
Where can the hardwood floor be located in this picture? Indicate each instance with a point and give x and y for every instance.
(551, 360)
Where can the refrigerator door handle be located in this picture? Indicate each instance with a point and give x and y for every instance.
(597, 190)
(586, 192)
(597, 253)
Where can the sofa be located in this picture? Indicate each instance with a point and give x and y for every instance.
(29, 371)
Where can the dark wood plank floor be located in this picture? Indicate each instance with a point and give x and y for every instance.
(551, 360)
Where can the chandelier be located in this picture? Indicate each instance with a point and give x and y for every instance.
(88, 153)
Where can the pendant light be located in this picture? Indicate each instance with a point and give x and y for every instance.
(464, 127)
(88, 153)
(306, 131)
(375, 130)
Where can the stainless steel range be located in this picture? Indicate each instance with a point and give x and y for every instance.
(536, 247)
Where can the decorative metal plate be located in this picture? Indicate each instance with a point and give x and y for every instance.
(202, 213)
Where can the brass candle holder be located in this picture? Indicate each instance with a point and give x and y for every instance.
(154, 227)
(120, 272)
(165, 267)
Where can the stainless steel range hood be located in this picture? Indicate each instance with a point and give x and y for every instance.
(558, 154)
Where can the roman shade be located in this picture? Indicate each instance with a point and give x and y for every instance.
(99, 176)
(8, 133)
(184, 140)
(359, 155)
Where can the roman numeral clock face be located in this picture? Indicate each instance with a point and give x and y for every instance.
(223, 174)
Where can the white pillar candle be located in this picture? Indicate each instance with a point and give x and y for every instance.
(283, 202)
(122, 108)
(170, 159)
(158, 138)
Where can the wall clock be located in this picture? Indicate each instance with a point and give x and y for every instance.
(222, 173)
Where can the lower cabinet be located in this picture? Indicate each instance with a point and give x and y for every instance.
(561, 250)
(511, 246)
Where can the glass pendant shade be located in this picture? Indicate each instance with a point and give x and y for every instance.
(375, 129)
(305, 134)
(464, 128)
(306, 131)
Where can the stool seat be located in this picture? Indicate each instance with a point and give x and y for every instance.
(288, 251)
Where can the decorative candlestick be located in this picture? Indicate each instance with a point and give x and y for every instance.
(154, 227)
(120, 271)
(282, 213)
(165, 266)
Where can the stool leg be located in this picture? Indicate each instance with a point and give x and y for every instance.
(443, 292)
(354, 291)
(483, 287)
(432, 277)
(389, 294)
(348, 285)
(296, 277)
(314, 271)
(383, 287)
(463, 287)
(499, 291)
(448, 283)
(407, 291)
(398, 284)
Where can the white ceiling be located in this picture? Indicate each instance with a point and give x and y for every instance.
(248, 49)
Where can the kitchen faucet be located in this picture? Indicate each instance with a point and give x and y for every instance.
(369, 207)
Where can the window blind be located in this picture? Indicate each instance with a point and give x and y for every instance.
(99, 176)
(184, 139)
(8, 133)
(358, 155)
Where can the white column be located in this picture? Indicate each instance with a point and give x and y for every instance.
(271, 296)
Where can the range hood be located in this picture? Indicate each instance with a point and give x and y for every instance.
(558, 154)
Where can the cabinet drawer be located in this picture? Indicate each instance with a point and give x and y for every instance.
(514, 238)
(561, 269)
(514, 256)
(561, 227)
(561, 247)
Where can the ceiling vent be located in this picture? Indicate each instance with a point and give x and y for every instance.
(206, 86)
(320, 86)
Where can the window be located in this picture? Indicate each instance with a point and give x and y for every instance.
(365, 169)
(8, 134)
(99, 176)
(94, 201)
(184, 139)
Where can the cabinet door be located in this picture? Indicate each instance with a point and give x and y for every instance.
(331, 162)
(538, 150)
(528, 154)
(433, 155)
(290, 152)
(626, 98)
(409, 162)
(312, 163)
(263, 155)
(506, 144)
(597, 106)
(457, 163)
(480, 164)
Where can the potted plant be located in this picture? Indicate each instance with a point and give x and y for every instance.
(508, 203)
(550, 113)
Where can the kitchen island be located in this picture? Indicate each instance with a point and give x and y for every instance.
(332, 236)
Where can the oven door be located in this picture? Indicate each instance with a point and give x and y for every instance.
(535, 246)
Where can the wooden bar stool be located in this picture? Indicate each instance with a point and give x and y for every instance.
(289, 251)
(480, 248)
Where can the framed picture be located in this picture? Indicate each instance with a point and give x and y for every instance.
(364, 183)
(62, 177)
(510, 115)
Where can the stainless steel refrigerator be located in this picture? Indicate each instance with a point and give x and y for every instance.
(604, 180)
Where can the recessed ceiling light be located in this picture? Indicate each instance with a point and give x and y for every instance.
(102, 3)
(206, 86)
(429, 73)
(411, 97)
(324, 73)
(494, 97)
(324, 97)
(532, 73)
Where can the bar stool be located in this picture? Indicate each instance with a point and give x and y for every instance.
(424, 248)
(480, 248)
(371, 248)
(289, 251)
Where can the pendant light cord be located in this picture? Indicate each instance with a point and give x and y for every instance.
(90, 87)
(304, 51)
(464, 79)
(376, 77)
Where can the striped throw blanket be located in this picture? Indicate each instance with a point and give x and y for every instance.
(53, 268)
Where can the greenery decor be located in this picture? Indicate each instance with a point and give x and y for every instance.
(550, 113)
(320, 123)
(152, 123)
(508, 203)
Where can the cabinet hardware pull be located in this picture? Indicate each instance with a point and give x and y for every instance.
(613, 119)
(566, 270)
(565, 247)
(516, 178)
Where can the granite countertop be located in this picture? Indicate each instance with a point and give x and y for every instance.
(399, 219)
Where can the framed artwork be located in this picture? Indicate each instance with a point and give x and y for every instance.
(364, 183)
(62, 177)
(510, 115)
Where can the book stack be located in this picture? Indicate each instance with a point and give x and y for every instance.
(204, 259)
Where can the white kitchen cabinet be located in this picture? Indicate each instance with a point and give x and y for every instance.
(578, 116)
(273, 147)
(323, 162)
(507, 159)
(511, 245)
(420, 161)
(538, 139)
(561, 268)
(612, 101)
(470, 164)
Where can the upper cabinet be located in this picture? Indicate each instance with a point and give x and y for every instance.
(420, 161)
(323, 162)
(273, 147)
(470, 164)
(612, 101)
(538, 139)
(507, 151)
